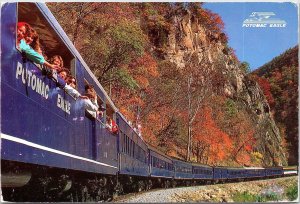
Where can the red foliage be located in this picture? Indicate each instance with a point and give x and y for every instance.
(211, 20)
(266, 87)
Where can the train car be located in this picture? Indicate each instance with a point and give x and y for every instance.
(220, 174)
(202, 173)
(245, 173)
(255, 172)
(273, 172)
(183, 172)
(43, 128)
(161, 168)
(237, 173)
(133, 156)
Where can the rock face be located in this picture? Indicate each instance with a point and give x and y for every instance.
(188, 37)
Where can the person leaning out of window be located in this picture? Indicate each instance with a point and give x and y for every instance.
(28, 43)
(91, 104)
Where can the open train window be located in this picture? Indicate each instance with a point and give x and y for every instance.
(99, 101)
(50, 42)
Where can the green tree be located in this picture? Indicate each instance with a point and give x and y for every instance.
(245, 67)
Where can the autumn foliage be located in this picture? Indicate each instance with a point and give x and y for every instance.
(218, 143)
(279, 81)
(124, 45)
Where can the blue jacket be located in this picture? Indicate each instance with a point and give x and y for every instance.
(31, 54)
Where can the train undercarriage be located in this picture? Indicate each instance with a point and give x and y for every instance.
(34, 183)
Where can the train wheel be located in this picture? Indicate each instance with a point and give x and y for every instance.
(150, 184)
(118, 190)
(8, 194)
(84, 194)
(174, 184)
(163, 184)
(168, 184)
(141, 186)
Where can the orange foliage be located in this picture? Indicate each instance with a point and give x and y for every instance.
(211, 20)
(142, 81)
(218, 141)
(244, 159)
(148, 63)
(128, 114)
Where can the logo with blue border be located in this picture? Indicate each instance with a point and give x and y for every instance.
(263, 20)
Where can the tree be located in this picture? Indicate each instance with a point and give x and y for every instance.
(198, 85)
(245, 67)
(213, 145)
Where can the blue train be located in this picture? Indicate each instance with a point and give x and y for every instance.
(51, 146)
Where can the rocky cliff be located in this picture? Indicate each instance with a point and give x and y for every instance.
(188, 37)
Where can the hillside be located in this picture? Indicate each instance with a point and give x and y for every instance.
(169, 69)
(279, 81)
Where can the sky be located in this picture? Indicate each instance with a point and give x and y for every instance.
(258, 45)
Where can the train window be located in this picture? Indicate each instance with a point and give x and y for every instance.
(136, 155)
(122, 141)
(128, 147)
(125, 143)
(51, 43)
(133, 149)
(110, 111)
(139, 153)
(100, 102)
(145, 157)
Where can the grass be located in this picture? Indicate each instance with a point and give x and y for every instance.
(248, 197)
(292, 192)
(244, 197)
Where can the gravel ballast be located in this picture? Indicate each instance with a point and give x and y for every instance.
(209, 193)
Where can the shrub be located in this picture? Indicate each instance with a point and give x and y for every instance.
(244, 197)
(292, 192)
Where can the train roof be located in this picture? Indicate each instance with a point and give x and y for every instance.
(254, 168)
(72, 48)
(241, 167)
(158, 151)
(202, 165)
(180, 160)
